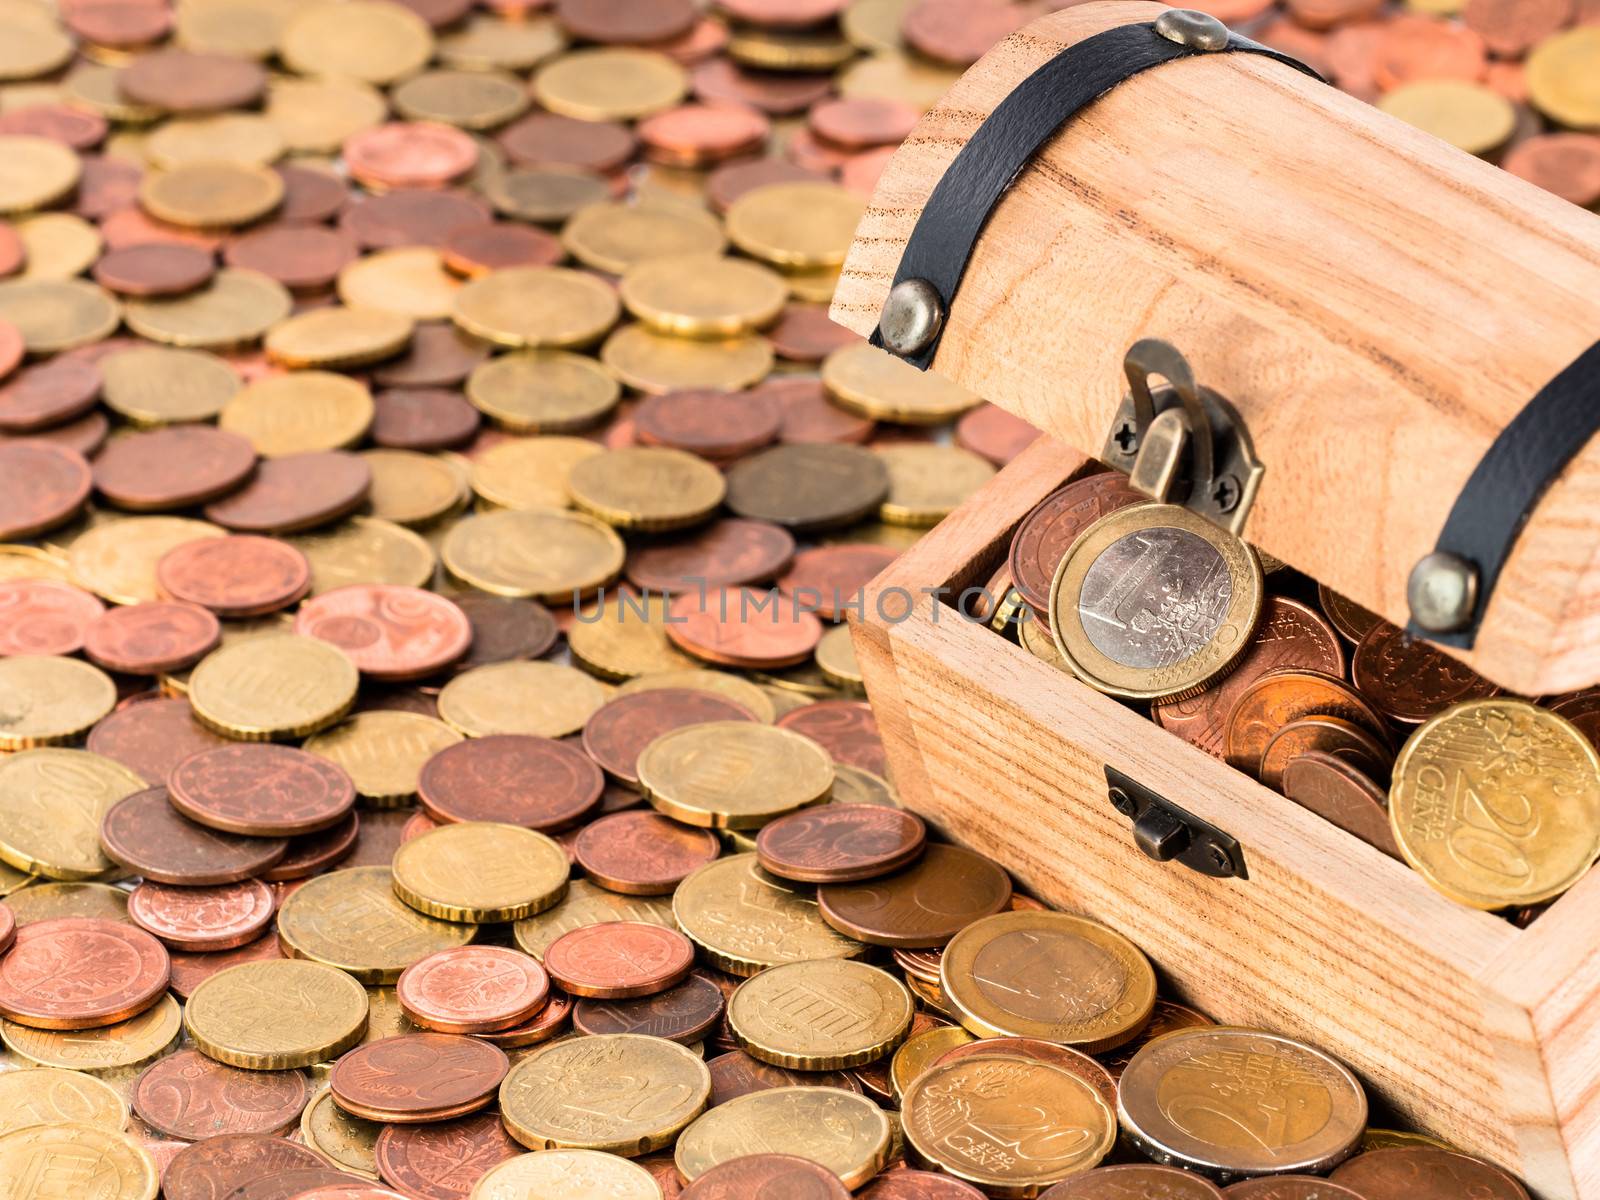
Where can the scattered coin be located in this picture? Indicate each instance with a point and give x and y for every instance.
(187, 1095)
(685, 774)
(276, 1015)
(619, 960)
(480, 871)
(838, 1130)
(472, 989)
(80, 973)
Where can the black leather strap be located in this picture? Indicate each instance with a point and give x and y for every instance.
(956, 212)
(1513, 474)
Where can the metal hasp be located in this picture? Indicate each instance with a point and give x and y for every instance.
(1182, 443)
(1168, 832)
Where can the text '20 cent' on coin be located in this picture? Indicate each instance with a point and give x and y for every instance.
(47, 1096)
(52, 804)
(821, 1015)
(844, 1132)
(270, 1016)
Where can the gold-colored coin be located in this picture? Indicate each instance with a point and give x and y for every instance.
(53, 315)
(466, 99)
(338, 337)
(915, 81)
(344, 1142)
(365, 550)
(48, 699)
(614, 237)
(1054, 1123)
(58, 245)
(273, 688)
(481, 871)
(211, 193)
(588, 904)
(12, 879)
(351, 919)
(745, 920)
(820, 1016)
(836, 659)
(37, 1159)
(703, 295)
(1470, 116)
(545, 195)
(531, 307)
(315, 116)
(30, 562)
(623, 1093)
(624, 637)
(246, 138)
(122, 1046)
(1050, 976)
(718, 683)
(733, 774)
(876, 384)
(299, 412)
(34, 171)
(1564, 77)
(566, 1175)
(234, 308)
(1391, 1139)
(486, 42)
(411, 488)
(842, 1131)
(409, 282)
(117, 559)
(385, 1017)
(46, 901)
(874, 25)
(852, 785)
(1497, 803)
(155, 385)
(541, 698)
(927, 481)
(543, 391)
(31, 47)
(530, 473)
(176, 683)
(1036, 637)
(789, 49)
(366, 40)
(1115, 598)
(647, 487)
(814, 285)
(236, 28)
(919, 1053)
(876, 533)
(50, 1096)
(95, 87)
(277, 1014)
(653, 362)
(797, 225)
(546, 554)
(383, 751)
(611, 84)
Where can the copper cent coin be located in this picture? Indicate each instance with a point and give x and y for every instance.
(415, 154)
(1289, 1187)
(1423, 1173)
(729, 182)
(643, 853)
(80, 973)
(443, 1160)
(477, 250)
(440, 355)
(8, 928)
(472, 989)
(505, 629)
(1410, 680)
(917, 1185)
(422, 419)
(41, 485)
(846, 729)
(261, 789)
(548, 140)
(862, 122)
(736, 1074)
(924, 905)
(1281, 696)
(48, 393)
(171, 468)
(417, 1077)
(218, 917)
(516, 779)
(301, 257)
(767, 1174)
(626, 21)
(42, 616)
(212, 1169)
(295, 492)
(411, 217)
(619, 959)
(1135, 1179)
(240, 576)
(840, 843)
(298, 1184)
(779, 93)
(313, 852)
(1331, 735)
(12, 252)
(192, 968)
(179, 81)
(827, 579)
(188, 1095)
(685, 1013)
(151, 737)
(389, 632)
(548, 1022)
(154, 269)
(804, 333)
(619, 731)
(153, 638)
(993, 433)
(740, 627)
(726, 553)
(149, 837)
(1045, 535)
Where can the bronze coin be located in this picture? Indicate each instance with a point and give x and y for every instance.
(261, 789)
(187, 1095)
(1330, 735)
(439, 356)
(1339, 792)
(828, 580)
(417, 1077)
(422, 419)
(513, 778)
(297, 1184)
(807, 150)
(218, 917)
(991, 432)
(84, 436)
(862, 122)
(411, 218)
(809, 416)
(310, 853)
(1289, 1187)
(153, 638)
(1166, 1017)
(1408, 679)
(190, 968)
(80, 973)
(767, 1174)
(1045, 534)
(149, 837)
(956, 32)
(643, 853)
(618, 960)
(1567, 164)
(618, 732)
(725, 553)
(212, 1169)
(1423, 1173)
(390, 632)
(42, 616)
(12, 252)
(310, 195)
(154, 269)
(740, 627)
(505, 629)
(715, 425)
(548, 1022)
(1065, 1057)
(379, 836)
(473, 989)
(1583, 710)
(239, 576)
(122, 24)
(48, 393)
(697, 135)
(548, 140)
(1134, 1179)
(901, 1184)
(479, 249)
(808, 487)
(1351, 620)
(420, 154)
(152, 737)
(736, 1074)
(804, 333)
(107, 185)
(442, 1161)
(1290, 634)
(171, 468)
(846, 729)
(685, 1013)
(840, 843)
(776, 93)
(41, 486)
(925, 904)
(629, 22)
(298, 491)
(132, 227)
(301, 257)
(72, 127)
(183, 82)
(733, 180)
(1285, 695)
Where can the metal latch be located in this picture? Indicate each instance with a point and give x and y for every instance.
(1166, 831)
(1182, 443)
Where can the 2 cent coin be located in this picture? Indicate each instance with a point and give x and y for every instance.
(619, 959)
(924, 905)
(190, 1096)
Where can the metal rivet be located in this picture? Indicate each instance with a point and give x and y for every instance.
(912, 317)
(1442, 592)
(1196, 30)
